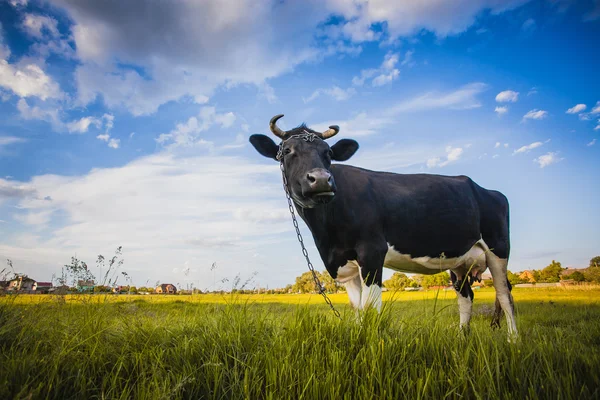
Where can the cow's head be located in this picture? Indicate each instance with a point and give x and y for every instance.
(306, 160)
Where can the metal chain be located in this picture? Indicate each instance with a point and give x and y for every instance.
(318, 284)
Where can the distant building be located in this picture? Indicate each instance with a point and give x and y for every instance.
(166, 288)
(21, 282)
(43, 287)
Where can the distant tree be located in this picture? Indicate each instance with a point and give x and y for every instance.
(551, 273)
(595, 262)
(440, 279)
(306, 284)
(592, 274)
(577, 276)
(398, 281)
(513, 278)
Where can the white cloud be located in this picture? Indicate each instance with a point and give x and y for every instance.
(501, 110)
(528, 148)
(535, 114)
(82, 125)
(596, 109)
(188, 49)
(597, 126)
(104, 137)
(114, 143)
(452, 154)
(384, 79)
(28, 80)
(497, 145)
(362, 124)
(585, 116)
(593, 142)
(39, 25)
(383, 75)
(408, 59)
(548, 159)
(8, 140)
(49, 115)
(336, 92)
(507, 96)
(463, 98)
(213, 203)
(186, 134)
(576, 109)
(403, 18)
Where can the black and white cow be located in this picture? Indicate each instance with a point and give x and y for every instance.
(364, 220)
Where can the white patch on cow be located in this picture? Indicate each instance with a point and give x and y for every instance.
(348, 271)
(474, 259)
(354, 290)
(371, 297)
(498, 267)
(465, 306)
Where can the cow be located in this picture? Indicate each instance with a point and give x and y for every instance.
(363, 220)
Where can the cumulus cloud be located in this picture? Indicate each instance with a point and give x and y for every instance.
(49, 115)
(381, 76)
(188, 49)
(28, 80)
(335, 92)
(548, 159)
(576, 109)
(82, 125)
(593, 142)
(156, 206)
(535, 114)
(452, 154)
(187, 133)
(507, 96)
(528, 148)
(501, 110)
(596, 109)
(114, 143)
(104, 137)
(39, 26)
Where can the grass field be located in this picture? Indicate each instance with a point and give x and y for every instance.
(292, 347)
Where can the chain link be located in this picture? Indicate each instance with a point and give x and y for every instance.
(320, 287)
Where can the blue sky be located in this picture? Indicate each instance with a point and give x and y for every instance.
(127, 123)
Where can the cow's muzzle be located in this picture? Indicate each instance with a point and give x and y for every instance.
(319, 185)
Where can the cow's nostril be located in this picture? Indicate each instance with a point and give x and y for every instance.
(311, 178)
(330, 179)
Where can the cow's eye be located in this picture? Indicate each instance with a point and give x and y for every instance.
(330, 153)
(287, 151)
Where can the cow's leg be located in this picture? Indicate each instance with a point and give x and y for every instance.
(464, 294)
(498, 268)
(370, 259)
(354, 290)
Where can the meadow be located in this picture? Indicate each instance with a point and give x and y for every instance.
(292, 347)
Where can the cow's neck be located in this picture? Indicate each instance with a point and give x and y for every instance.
(317, 221)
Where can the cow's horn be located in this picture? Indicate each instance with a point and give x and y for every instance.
(274, 128)
(332, 131)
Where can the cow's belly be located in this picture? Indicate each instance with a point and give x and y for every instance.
(474, 259)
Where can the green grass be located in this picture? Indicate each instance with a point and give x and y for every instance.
(291, 347)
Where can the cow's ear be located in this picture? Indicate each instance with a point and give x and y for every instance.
(344, 149)
(265, 146)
